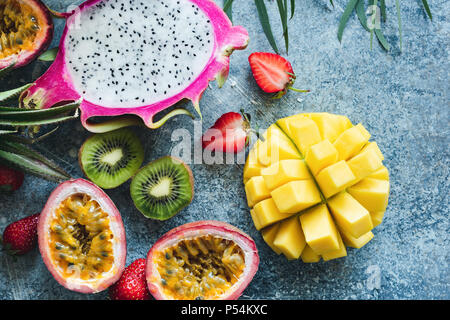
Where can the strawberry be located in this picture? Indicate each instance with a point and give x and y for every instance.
(10, 179)
(132, 285)
(273, 73)
(21, 236)
(228, 134)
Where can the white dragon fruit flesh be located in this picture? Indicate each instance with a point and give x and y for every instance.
(137, 57)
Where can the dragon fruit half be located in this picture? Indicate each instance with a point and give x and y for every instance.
(138, 57)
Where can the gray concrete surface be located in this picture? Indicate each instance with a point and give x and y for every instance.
(401, 98)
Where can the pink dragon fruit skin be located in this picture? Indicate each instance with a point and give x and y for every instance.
(56, 87)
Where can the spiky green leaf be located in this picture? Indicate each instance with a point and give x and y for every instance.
(265, 23)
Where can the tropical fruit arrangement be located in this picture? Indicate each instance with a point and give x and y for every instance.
(315, 184)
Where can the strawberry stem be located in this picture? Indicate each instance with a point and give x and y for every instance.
(298, 90)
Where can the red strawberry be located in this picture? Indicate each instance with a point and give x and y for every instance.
(272, 73)
(10, 179)
(229, 133)
(21, 236)
(132, 284)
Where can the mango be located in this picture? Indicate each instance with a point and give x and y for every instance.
(266, 213)
(374, 146)
(269, 234)
(321, 171)
(252, 166)
(373, 194)
(309, 256)
(319, 229)
(330, 125)
(304, 133)
(295, 196)
(351, 141)
(353, 242)
(335, 178)
(321, 155)
(381, 174)
(339, 253)
(285, 171)
(364, 163)
(350, 215)
(275, 148)
(255, 219)
(377, 217)
(256, 190)
(290, 239)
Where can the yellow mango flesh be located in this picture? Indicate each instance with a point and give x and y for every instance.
(330, 125)
(256, 190)
(285, 171)
(377, 218)
(269, 234)
(318, 169)
(276, 148)
(305, 133)
(335, 178)
(321, 155)
(319, 229)
(252, 167)
(339, 253)
(381, 174)
(373, 194)
(290, 239)
(364, 163)
(350, 142)
(295, 196)
(353, 242)
(266, 213)
(374, 146)
(309, 256)
(350, 215)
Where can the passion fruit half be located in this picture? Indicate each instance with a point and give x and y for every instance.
(205, 260)
(26, 30)
(81, 237)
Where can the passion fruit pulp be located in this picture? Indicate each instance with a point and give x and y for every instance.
(205, 260)
(81, 237)
(26, 30)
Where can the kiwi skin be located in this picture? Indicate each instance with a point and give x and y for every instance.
(80, 152)
(191, 182)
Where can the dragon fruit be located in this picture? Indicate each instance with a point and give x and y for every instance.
(136, 57)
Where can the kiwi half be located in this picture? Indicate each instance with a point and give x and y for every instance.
(162, 188)
(109, 159)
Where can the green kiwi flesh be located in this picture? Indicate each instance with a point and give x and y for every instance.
(109, 159)
(162, 188)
